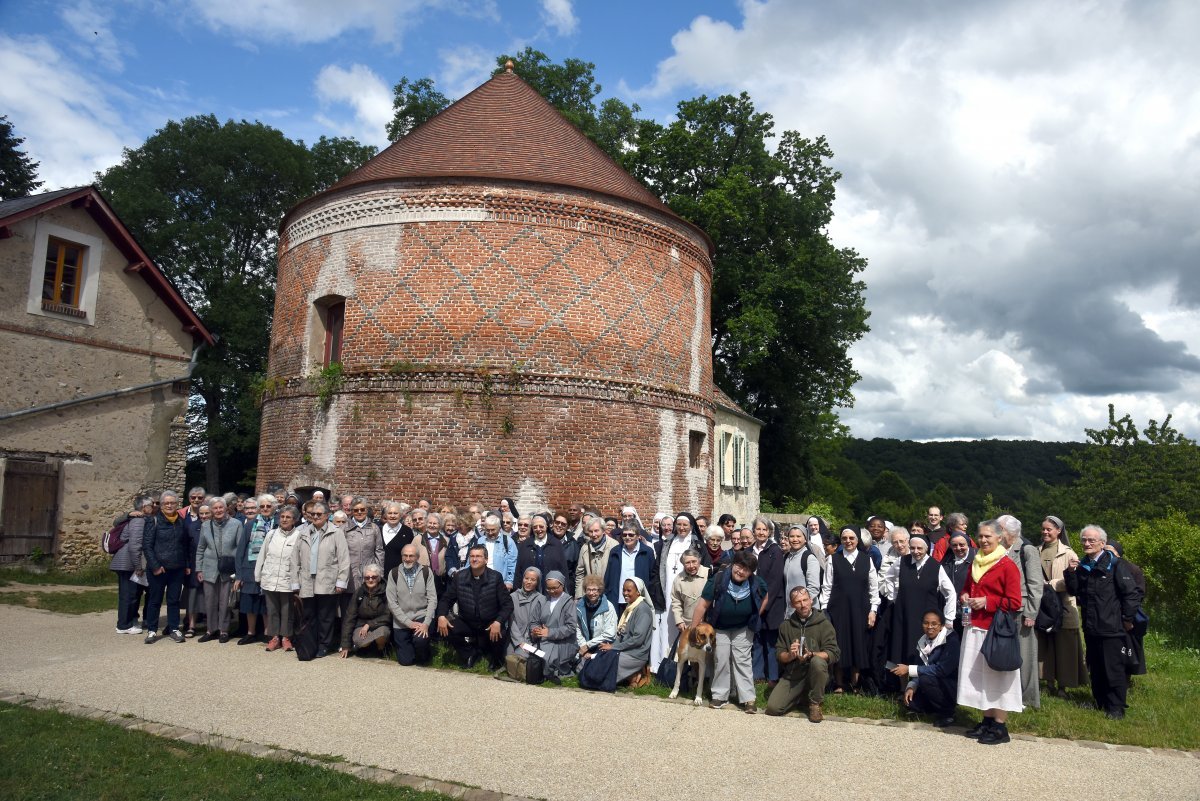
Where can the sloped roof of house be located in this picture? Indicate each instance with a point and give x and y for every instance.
(730, 405)
(90, 199)
(505, 130)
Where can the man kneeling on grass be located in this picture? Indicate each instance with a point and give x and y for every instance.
(806, 647)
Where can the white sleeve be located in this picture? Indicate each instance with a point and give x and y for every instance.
(872, 585)
(891, 581)
(946, 588)
(827, 588)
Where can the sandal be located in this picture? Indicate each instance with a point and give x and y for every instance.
(189, 633)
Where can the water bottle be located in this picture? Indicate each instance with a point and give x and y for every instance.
(966, 615)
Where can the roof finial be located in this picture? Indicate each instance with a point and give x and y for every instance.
(508, 66)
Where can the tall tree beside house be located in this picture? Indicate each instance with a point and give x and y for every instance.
(18, 172)
(786, 302)
(205, 198)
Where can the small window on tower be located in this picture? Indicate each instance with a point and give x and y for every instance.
(335, 318)
(695, 447)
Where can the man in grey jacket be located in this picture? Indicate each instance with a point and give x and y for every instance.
(412, 597)
(321, 572)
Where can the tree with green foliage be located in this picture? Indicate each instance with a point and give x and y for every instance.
(413, 102)
(18, 172)
(205, 199)
(786, 303)
(1127, 477)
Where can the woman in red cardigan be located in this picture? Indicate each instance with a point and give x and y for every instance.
(994, 583)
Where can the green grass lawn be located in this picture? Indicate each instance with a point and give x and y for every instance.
(51, 755)
(91, 576)
(71, 603)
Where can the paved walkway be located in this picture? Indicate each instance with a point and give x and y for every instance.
(542, 742)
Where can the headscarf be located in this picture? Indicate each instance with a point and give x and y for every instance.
(642, 597)
(950, 551)
(629, 508)
(555, 575)
(512, 507)
(699, 537)
(520, 596)
(1063, 536)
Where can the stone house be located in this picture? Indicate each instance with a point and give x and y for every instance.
(507, 313)
(96, 348)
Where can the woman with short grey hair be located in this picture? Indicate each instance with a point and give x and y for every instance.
(216, 567)
(368, 618)
(273, 573)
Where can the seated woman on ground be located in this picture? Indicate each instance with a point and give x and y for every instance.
(933, 684)
(634, 630)
(595, 618)
(368, 618)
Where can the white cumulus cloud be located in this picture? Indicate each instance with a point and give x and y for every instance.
(560, 16)
(367, 96)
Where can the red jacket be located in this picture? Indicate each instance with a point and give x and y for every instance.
(1000, 586)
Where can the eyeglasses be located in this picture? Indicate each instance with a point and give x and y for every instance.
(560, 522)
(359, 509)
(629, 535)
(522, 525)
(370, 578)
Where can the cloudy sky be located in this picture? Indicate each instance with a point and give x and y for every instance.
(1023, 177)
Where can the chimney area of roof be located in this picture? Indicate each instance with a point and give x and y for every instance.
(508, 66)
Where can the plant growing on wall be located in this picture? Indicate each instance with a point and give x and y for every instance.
(327, 383)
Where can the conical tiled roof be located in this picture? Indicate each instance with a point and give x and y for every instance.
(504, 130)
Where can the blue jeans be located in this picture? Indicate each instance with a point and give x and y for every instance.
(170, 581)
(128, 595)
(766, 664)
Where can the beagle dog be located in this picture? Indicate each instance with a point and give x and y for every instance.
(696, 647)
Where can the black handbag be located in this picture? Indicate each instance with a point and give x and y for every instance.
(1001, 649)
(668, 668)
(535, 669)
(304, 641)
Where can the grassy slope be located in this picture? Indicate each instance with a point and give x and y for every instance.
(94, 760)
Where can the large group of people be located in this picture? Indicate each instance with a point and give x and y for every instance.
(882, 608)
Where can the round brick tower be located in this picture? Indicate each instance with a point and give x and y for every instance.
(513, 314)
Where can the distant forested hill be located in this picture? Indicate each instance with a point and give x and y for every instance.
(955, 475)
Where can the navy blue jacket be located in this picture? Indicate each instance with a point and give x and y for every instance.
(643, 568)
(166, 544)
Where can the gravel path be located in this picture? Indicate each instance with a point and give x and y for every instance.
(537, 742)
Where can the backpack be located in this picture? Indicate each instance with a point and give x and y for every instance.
(804, 557)
(111, 540)
(1050, 611)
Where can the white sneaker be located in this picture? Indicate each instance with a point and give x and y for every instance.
(134, 629)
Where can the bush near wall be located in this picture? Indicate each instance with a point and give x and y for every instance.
(1168, 550)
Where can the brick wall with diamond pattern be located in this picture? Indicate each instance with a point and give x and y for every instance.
(498, 339)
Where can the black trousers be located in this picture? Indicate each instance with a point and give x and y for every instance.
(935, 698)
(473, 640)
(411, 649)
(128, 597)
(1110, 681)
(321, 611)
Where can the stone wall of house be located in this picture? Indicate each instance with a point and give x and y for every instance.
(107, 450)
(499, 340)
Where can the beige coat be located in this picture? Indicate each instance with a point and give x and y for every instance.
(586, 563)
(273, 568)
(1053, 569)
(685, 592)
(333, 562)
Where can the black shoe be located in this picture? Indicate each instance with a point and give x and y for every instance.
(471, 660)
(321, 652)
(980, 729)
(224, 638)
(494, 666)
(177, 635)
(249, 638)
(207, 636)
(996, 735)
(1115, 714)
(942, 723)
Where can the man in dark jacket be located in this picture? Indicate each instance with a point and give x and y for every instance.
(542, 551)
(570, 548)
(774, 606)
(633, 558)
(806, 647)
(165, 546)
(1108, 598)
(484, 609)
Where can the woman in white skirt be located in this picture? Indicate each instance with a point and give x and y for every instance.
(994, 583)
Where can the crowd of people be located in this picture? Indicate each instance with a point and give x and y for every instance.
(903, 609)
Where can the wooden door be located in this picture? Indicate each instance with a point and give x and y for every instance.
(29, 516)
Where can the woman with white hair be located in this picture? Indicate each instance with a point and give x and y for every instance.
(216, 567)
(261, 520)
(272, 571)
(368, 618)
